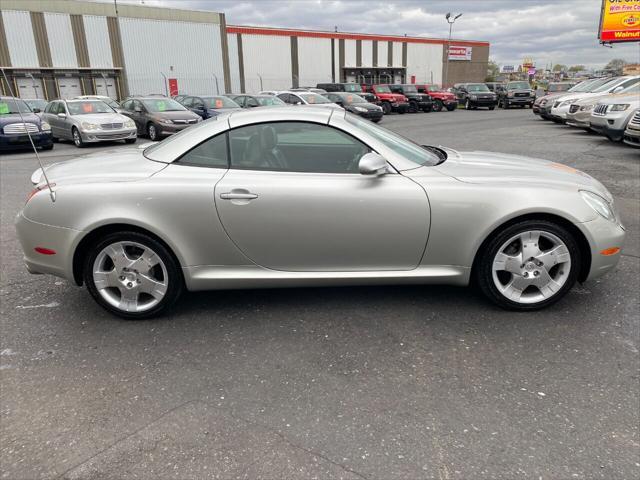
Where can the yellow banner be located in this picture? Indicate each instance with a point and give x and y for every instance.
(620, 21)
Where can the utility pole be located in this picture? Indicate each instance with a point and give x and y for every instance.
(451, 19)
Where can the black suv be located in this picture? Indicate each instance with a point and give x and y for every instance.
(417, 101)
(474, 95)
(516, 93)
(350, 88)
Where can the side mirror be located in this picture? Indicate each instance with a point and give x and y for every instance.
(372, 164)
(62, 115)
(36, 110)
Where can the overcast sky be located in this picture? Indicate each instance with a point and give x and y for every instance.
(558, 31)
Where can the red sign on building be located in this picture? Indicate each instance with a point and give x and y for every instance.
(173, 86)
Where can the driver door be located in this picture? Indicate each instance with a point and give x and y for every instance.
(294, 200)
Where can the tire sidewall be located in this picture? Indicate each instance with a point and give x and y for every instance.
(175, 284)
(484, 267)
(152, 127)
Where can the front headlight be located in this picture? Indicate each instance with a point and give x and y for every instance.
(586, 108)
(89, 126)
(166, 121)
(542, 103)
(129, 124)
(360, 109)
(45, 127)
(599, 204)
(567, 102)
(619, 107)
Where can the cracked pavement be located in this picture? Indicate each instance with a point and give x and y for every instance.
(354, 383)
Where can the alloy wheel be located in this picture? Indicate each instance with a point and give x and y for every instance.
(153, 133)
(77, 140)
(531, 267)
(130, 276)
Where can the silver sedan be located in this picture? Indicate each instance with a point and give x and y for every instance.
(293, 197)
(88, 121)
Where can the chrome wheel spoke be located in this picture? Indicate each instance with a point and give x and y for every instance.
(530, 244)
(117, 255)
(153, 287)
(145, 262)
(508, 263)
(128, 300)
(514, 289)
(104, 280)
(556, 255)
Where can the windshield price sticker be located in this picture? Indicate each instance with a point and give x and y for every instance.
(4, 108)
(219, 103)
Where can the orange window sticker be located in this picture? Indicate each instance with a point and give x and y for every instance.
(311, 100)
(87, 108)
(219, 103)
(349, 98)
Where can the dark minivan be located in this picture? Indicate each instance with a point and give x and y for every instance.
(17, 121)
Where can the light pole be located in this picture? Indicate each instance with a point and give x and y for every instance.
(451, 19)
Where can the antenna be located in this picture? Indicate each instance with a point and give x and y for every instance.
(52, 194)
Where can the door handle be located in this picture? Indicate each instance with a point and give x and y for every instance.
(235, 195)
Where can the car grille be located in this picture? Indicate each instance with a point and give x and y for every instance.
(600, 109)
(20, 128)
(574, 108)
(635, 120)
(112, 136)
(182, 122)
(521, 94)
(110, 126)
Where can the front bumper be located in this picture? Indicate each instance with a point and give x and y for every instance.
(21, 140)
(608, 125)
(371, 114)
(61, 240)
(400, 107)
(602, 234)
(95, 136)
(520, 100)
(632, 137)
(483, 102)
(170, 129)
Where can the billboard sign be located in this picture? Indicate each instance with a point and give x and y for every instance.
(173, 87)
(457, 52)
(507, 69)
(620, 21)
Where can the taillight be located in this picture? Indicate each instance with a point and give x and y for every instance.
(39, 188)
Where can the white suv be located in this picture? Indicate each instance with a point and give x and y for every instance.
(611, 116)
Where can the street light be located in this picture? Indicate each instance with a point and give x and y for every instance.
(451, 19)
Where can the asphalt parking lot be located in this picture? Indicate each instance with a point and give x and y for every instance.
(370, 383)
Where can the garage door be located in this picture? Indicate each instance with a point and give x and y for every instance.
(28, 88)
(69, 87)
(107, 87)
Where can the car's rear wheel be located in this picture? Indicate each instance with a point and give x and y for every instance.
(386, 108)
(77, 138)
(529, 265)
(48, 147)
(451, 108)
(132, 275)
(492, 107)
(438, 106)
(413, 107)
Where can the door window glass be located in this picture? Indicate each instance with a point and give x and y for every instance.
(187, 102)
(210, 153)
(295, 147)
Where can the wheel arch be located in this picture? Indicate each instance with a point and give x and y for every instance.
(581, 240)
(82, 249)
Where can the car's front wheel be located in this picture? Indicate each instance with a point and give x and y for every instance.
(529, 265)
(77, 138)
(132, 275)
(386, 108)
(152, 131)
(438, 106)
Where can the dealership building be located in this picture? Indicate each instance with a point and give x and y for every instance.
(65, 48)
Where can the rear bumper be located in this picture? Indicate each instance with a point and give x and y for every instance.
(21, 141)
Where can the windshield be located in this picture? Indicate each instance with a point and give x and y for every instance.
(112, 103)
(314, 98)
(13, 105)
(352, 98)
(162, 105)
(88, 108)
(219, 102)
(36, 103)
(602, 85)
(518, 86)
(477, 87)
(399, 144)
(269, 101)
(409, 89)
(352, 87)
(582, 86)
(382, 89)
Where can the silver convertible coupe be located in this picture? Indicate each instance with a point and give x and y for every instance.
(289, 197)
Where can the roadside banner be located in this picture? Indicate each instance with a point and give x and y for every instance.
(457, 52)
(620, 21)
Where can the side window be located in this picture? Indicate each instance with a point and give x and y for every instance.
(239, 100)
(47, 109)
(210, 153)
(197, 103)
(251, 102)
(285, 97)
(61, 108)
(295, 99)
(187, 102)
(295, 147)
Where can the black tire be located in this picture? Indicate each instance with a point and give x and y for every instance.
(386, 108)
(377, 120)
(438, 106)
(467, 104)
(505, 104)
(483, 274)
(451, 108)
(531, 105)
(492, 107)
(175, 283)
(413, 107)
(152, 132)
(48, 147)
(77, 138)
(130, 140)
(54, 139)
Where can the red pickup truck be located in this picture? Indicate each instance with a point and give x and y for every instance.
(441, 98)
(389, 101)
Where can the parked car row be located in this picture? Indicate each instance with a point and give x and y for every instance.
(608, 106)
